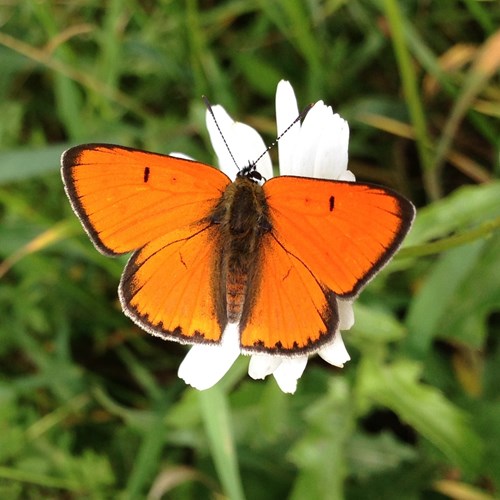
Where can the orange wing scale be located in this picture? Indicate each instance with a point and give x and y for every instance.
(166, 287)
(343, 232)
(157, 205)
(328, 238)
(290, 312)
(126, 198)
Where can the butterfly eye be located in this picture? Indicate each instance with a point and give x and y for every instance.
(250, 172)
(256, 176)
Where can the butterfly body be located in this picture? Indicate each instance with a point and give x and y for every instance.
(273, 258)
(240, 219)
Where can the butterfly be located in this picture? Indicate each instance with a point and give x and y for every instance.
(271, 256)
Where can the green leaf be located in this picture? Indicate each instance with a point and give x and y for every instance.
(488, 425)
(216, 417)
(422, 406)
(147, 461)
(465, 207)
(374, 325)
(262, 75)
(23, 164)
(434, 297)
(370, 455)
(478, 296)
(456, 298)
(320, 453)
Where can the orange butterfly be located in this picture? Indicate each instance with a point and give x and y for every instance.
(207, 251)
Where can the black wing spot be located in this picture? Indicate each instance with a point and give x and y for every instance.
(146, 174)
(332, 203)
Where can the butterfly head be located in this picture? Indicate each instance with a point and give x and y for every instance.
(250, 172)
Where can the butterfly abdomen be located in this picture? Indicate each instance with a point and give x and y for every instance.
(242, 216)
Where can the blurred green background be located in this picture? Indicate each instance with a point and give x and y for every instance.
(91, 407)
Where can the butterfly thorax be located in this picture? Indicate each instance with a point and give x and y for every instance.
(242, 218)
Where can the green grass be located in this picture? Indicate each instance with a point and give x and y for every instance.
(91, 407)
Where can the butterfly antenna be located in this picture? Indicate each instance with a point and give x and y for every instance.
(300, 117)
(209, 107)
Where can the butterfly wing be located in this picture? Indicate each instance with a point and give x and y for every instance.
(167, 286)
(288, 311)
(126, 198)
(327, 239)
(157, 205)
(344, 232)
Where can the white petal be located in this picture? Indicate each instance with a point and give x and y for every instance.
(331, 155)
(347, 176)
(335, 353)
(288, 373)
(226, 123)
(346, 314)
(307, 146)
(205, 365)
(177, 154)
(286, 112)
(262, 365)
(245, 144)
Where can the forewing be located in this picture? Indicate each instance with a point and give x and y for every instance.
(126, 198)
(344, 232)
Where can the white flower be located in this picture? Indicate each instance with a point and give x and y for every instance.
(315, 148)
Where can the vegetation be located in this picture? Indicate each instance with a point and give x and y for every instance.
(91, 407)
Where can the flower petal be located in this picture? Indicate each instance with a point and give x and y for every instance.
(310, 131)
(245, 144)
(177, 154)
(288, 373)
(347, 176)
(286, 112)
(346, 313)
(262, 365)
(331, 157)
(204, 365)
(335, 353)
